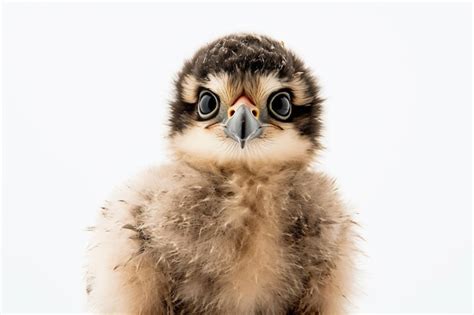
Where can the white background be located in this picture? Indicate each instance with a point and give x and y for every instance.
(85, 103)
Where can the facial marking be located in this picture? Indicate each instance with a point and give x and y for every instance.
(299, 89)
(224, 86)
(190, 86)
(260, 87)
(275, 146)
(256, 87)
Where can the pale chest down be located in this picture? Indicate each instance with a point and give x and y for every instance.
(177, 240)
(231, 241)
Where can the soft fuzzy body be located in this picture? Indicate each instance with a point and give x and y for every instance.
(179, 240)
(224, 229)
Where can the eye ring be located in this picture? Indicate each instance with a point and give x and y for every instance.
(208, 105)
(281, 110)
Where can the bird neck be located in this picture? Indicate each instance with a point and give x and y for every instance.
(245, 169)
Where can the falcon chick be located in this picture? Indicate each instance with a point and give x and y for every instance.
(238, 222)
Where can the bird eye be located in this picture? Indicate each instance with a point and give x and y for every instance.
(280, 106)
(208, 105)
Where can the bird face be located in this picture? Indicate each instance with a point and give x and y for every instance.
(245, 99)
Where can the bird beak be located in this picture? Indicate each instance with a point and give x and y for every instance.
(242, 124)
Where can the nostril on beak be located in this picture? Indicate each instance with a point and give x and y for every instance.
(231, 111)
(255, 112)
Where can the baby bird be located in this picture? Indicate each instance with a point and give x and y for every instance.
(238, 222)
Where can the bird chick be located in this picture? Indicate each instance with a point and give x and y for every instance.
(238, 222)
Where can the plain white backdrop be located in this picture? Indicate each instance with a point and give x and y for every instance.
(85, 106)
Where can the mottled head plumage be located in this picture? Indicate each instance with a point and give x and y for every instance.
(256, 67)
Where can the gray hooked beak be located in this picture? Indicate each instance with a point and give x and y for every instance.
(243, 126)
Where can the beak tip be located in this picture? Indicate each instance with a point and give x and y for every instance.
(242, 126)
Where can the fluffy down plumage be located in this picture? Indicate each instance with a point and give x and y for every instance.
(176, 240)
(234, 231)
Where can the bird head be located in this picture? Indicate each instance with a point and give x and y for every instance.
(245, 99)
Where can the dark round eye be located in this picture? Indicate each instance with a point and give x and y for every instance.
(208, 105)
(280, 106)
